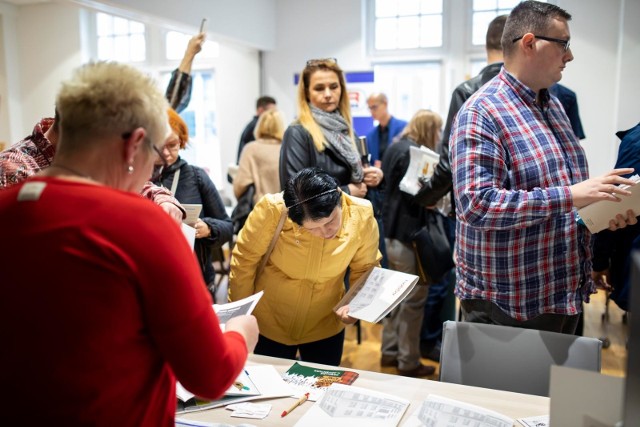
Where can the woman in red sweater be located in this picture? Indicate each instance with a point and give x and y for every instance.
(99, 325)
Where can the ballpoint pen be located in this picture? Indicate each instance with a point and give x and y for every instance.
(295, 405)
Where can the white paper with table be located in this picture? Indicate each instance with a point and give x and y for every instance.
(438, 411)
(350, 406)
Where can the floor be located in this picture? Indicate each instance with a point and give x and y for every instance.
(614, 358)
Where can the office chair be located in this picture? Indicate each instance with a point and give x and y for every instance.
(509, 358)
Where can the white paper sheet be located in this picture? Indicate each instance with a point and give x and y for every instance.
(189, 234)
(438, 411)
(236, 308)
(193, 213)
(422, 162)
(349, 406)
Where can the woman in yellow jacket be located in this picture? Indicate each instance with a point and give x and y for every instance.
(326, 233)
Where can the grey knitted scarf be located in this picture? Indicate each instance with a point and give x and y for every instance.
(336, 132)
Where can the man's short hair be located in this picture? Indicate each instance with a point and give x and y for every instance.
(379, 96)
(265, 101)
(494, 33)
(529, 17)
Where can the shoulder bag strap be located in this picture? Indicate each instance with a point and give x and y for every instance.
(274, 239)
(174, 184)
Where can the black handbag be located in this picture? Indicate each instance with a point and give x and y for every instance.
(431, 247)
(242, 210)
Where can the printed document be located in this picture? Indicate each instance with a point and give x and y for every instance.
(438, 411)
(236, 308)
(376, 293)
(193, 213)
(350, 406)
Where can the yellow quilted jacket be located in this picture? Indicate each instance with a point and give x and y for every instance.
(304, 277)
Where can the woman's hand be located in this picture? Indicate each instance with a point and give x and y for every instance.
(202, 229)
(373, 176)
(343, 314)
(358, 190)
(247, 326)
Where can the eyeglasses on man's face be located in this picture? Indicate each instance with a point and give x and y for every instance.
(564, 43)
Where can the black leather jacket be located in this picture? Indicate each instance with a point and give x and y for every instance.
(299, 152)
(441, 182)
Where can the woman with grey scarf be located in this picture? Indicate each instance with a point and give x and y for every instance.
(323, 136)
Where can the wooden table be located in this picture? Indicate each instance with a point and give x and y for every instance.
(514, 405)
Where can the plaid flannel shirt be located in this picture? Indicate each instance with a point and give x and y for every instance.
(518, 244)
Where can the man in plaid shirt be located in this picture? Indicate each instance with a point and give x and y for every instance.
(519, 173)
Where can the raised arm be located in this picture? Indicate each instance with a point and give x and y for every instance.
(179, 89)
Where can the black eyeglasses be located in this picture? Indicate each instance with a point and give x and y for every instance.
(564, 43)
(158, 169)
(319, 61)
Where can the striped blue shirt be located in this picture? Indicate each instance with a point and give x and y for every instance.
(517, 240)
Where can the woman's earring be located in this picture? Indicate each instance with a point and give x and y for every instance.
(130, 169)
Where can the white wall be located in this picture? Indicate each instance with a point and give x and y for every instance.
(238, 87)
(49, 50)
(308, 29)
(250, 22)
(10, 114)
(596, 29)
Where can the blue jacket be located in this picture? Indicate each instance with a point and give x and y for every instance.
(373, 139)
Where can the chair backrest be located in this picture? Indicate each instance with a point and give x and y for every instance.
(509, 358)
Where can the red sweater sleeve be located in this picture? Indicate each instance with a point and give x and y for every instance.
(180, 316)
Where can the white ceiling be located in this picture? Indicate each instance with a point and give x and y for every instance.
(23, 2)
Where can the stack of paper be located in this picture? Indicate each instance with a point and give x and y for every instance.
(255, 382)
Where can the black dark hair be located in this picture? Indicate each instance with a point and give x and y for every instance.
(311, 194)
(494, 33)
(264, 101)
(529, 17)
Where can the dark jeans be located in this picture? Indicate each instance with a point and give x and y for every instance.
(481, 311)
(327, 351)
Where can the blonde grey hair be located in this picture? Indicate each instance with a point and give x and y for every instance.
(109, 98)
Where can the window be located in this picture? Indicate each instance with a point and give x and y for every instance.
(407, 24)
(120, 39)
(203, 148)
(124, 40)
